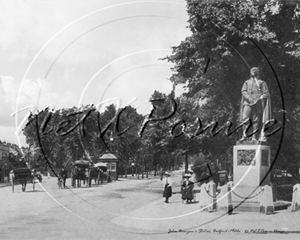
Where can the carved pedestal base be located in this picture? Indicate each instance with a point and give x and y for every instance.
(250, 166)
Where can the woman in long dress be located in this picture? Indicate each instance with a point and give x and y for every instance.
(187, 187)
(167, 184)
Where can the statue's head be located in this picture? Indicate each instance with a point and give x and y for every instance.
(254, 72)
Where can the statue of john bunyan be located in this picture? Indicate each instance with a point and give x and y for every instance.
(255, 104)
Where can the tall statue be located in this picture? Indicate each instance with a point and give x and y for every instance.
(255, 104)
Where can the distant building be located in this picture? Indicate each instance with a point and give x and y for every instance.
(10, 155)
(15, 154)
(4, 164)
(111, 161)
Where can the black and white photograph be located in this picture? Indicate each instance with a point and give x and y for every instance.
(149, 119)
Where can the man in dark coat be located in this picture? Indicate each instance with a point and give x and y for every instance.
(64, 175)
(167, 183)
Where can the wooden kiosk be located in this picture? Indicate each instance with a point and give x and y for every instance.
(112, 161)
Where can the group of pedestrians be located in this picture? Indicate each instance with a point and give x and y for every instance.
(187, 185)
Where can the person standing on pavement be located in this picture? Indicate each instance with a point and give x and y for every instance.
(64, 175)
(190, 190)
(167, 184)
(101, 176)
(161, 174)
(11, 176)
(187, 187)
(183, 189)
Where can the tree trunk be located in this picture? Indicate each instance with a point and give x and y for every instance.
(186, 161)
(125, 171)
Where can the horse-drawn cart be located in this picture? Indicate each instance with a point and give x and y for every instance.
(81, 172)
(21, 176)
(86, 171)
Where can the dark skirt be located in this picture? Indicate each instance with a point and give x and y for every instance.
(187, 193)
(167, 192)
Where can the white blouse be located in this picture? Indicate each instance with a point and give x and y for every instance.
(167, 180)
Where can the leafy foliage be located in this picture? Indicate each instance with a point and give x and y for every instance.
(228, 38)
(233, 36)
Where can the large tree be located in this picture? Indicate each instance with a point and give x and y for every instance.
(228, 38)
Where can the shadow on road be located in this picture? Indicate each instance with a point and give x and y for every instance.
(35, 191)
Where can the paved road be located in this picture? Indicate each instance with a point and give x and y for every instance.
(126, 209)
(81, 213)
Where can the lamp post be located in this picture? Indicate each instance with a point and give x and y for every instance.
(89, 183)
(111, 139)
(143, 168)
(132, 168)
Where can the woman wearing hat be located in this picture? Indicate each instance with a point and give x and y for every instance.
(167, 181)
(187, 189)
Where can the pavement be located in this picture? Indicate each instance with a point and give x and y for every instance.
(181, 218)
(144, 214)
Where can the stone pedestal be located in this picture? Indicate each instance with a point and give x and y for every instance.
(250, 166)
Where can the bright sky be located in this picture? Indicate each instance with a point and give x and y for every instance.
(67, 53)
